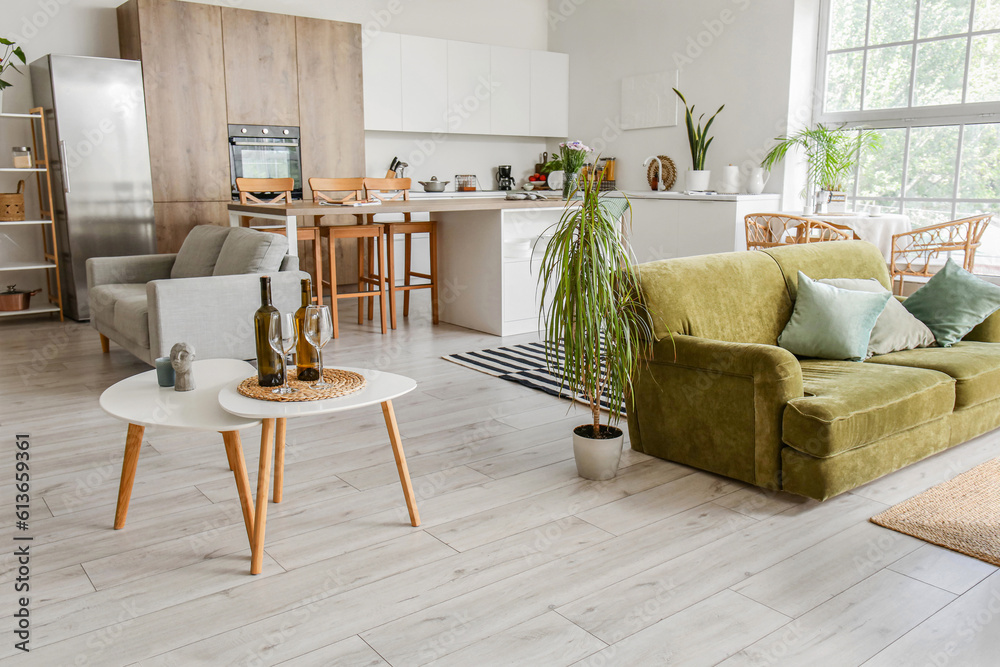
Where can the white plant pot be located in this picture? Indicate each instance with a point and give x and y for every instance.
(597, 459)
(697, 179)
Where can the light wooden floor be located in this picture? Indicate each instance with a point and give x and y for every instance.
(518, 561)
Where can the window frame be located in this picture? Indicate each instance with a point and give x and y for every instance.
(943, 114)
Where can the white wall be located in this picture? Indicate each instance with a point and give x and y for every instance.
(733, 52)
(89, 28)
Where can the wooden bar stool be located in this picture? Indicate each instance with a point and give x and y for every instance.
(351, 189)
(249, 188)
(389, 189)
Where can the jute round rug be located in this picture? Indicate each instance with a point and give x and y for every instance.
(962, 515)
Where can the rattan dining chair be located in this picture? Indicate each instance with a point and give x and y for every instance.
(769, 230)
(914, 252)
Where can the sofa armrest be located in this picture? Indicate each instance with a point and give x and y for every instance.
(215, 313)
(128, 269)
(716, 406)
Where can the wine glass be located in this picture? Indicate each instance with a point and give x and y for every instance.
(282, 334)
(317, 326)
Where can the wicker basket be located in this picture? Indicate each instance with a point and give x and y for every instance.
(12, 204)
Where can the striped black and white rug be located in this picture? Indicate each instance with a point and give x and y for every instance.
(523, 364)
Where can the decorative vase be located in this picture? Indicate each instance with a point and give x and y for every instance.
(597, 458)
(571, 182)
(757, 180)
(697, 180)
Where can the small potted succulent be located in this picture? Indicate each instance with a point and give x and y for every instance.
(697, 178)
(596, 325)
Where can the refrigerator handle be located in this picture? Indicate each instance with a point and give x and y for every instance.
(65, 166)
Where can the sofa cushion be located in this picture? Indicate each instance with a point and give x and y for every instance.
(199, 252)
(250, 251)
(848, 405)
(896, 329)
(103, 299)
(132, 318)
(953, 302)
(832, 323)
(974, 366)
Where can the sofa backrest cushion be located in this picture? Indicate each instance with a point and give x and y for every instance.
(831, 259)
(199, 252)
(737, 297)
(250, 251)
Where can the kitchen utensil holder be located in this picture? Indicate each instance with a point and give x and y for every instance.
(12, 204)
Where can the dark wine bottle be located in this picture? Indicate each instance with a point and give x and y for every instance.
(306, 354)
(270, 372)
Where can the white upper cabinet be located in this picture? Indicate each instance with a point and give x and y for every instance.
(549, 94)
(382, 82)
(510, 77)
(424, 66)
(424, 84)
(468, 88)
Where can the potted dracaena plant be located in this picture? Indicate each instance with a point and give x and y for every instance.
(597, 328)
(11, 51)
(697, 178)
(831, 155)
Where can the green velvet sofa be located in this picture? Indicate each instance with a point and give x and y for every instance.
(720, 395)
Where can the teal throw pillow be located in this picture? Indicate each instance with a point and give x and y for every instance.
(831, 323)
(953, 302)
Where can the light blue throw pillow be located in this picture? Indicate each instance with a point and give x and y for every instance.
(831, 323)
(953, 302)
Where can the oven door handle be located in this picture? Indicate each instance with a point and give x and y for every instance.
(277, 144)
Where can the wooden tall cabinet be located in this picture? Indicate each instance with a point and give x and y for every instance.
(205, 67)
(262, 83)
(180, 46)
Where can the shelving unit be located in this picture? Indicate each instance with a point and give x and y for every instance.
(50, 254)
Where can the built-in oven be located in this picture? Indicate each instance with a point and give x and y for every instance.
(265, 151)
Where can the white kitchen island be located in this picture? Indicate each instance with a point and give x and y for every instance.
(489, 253)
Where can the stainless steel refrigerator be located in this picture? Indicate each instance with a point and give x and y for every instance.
(99, 152)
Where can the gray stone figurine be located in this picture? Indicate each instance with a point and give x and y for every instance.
(182, 358)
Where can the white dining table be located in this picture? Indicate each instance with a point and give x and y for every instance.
(876, 229)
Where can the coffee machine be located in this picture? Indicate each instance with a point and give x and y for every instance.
(505, 180)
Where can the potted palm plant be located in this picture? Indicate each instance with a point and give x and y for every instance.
(597, 317)
(697, 177)
(831, 155)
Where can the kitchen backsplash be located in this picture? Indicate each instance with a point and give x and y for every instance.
(446, 155)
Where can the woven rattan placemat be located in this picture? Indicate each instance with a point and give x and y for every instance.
(962, 515)
(341, 382)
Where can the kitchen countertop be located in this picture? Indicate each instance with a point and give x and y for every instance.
(680, 196)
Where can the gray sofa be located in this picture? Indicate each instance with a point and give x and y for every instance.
(205, 294)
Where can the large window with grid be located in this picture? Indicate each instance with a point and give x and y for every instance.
(926, 74)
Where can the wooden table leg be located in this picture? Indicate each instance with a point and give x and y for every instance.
(397, 451)
(133, 443)
(260, 511)
(234, 450)
(279, 458)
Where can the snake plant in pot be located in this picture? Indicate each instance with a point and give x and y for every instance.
(697, 177)
(596, 315)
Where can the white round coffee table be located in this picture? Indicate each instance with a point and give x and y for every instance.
(141, 402)
(380, 387)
